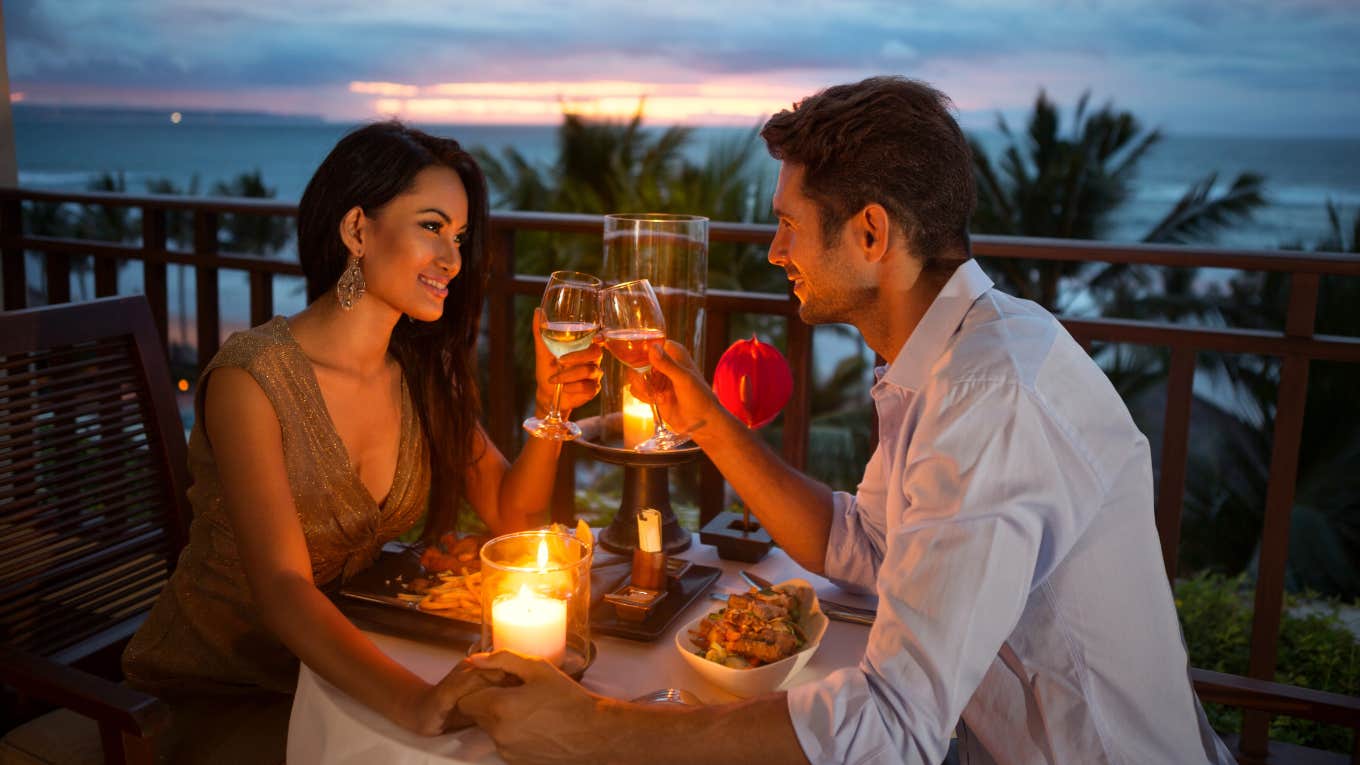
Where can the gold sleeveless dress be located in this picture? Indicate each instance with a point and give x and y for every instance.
(204, 635)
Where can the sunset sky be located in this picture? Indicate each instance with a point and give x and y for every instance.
(1262, 67)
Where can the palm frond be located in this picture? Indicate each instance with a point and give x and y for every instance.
(1199, 214)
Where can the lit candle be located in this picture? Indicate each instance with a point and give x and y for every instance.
(529, 623)
(638, 423)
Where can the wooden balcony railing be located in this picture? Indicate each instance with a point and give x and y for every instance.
(1297, 345)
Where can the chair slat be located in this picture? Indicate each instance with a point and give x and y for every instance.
(127, 419)
(70, 557)
(16, 371)
(124, 443)
(131, 509)
(150, 537)
(75, 385)
(86, 594)
(60, 412)
(97, 584)
(110, 348)
(55, 617)
(101, 476)
(22, 367)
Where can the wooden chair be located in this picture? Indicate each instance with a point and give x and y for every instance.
(93, 511)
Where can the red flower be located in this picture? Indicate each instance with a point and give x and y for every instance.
(753, 381)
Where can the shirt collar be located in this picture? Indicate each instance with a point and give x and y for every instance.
(926, 342)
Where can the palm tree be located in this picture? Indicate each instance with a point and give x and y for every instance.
(1069, 185)
(264, 234)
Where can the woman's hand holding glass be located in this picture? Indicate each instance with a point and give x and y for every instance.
(566, 353)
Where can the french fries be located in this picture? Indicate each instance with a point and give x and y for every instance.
(457, 596)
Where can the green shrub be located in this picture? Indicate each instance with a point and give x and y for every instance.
(1316, 651)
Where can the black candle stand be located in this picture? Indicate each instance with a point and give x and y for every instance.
(646, 483)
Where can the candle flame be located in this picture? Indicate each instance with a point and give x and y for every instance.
(524, 593)
(542, 554)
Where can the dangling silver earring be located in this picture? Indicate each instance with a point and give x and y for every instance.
(350, 288)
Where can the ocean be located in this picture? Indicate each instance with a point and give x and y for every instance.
(64, 148)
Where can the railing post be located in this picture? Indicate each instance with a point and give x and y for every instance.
(501, 333)
(58, 269)
(105, 276)
(15, 275)
(153, 270)
(1175, 444)
(562, 505)
(205, 283)
(261, 297)
(712, 486)
(798, 413)
(1284, 464)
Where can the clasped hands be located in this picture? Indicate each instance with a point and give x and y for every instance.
(531, 709)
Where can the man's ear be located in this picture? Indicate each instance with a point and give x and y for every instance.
(872, 232)
(352, 230)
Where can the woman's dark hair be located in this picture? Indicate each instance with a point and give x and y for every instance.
(884, 140)
(367, 169)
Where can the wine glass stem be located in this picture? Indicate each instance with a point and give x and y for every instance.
(554, 415)
(660, 429)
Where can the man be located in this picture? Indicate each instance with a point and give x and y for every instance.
(1005, 519)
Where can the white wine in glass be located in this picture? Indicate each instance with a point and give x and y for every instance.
(633, 323)
(571, 318)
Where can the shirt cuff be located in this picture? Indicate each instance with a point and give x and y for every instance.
(852, 561)
(830, 722)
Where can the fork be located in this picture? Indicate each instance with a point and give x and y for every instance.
(669, 696)
(865, 615)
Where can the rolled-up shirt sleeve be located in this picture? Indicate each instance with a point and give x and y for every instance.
(855, 544)
(985, 491)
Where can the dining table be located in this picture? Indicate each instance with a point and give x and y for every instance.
(328, 726)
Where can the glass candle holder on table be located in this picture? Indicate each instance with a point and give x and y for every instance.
(536, 598)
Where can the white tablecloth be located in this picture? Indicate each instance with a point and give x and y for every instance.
(327, 726)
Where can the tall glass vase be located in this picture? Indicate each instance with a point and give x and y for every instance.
(671, 252)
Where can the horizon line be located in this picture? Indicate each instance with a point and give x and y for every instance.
(313, 117)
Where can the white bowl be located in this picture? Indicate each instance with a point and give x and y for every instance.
(767, 677)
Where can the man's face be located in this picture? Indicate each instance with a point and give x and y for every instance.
(824, 280)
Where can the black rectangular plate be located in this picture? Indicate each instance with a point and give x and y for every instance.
(681, 592)
(406, 620)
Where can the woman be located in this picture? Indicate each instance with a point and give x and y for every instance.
(321, 437)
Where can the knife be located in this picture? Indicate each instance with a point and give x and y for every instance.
(761, 583)
(831, 611)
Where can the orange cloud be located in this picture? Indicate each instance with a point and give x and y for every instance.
(731, 102)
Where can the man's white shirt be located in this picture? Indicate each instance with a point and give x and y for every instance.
(1006, 523)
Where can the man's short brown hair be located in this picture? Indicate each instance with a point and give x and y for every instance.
(885, 140)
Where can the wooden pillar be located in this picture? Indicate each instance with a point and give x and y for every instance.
(9, 163)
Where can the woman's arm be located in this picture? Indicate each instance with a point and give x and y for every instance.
(248, 447)
(514, 497)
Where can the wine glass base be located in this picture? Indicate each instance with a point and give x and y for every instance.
(552, 430)
(662, 442)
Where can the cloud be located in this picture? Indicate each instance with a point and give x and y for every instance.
(988, 54)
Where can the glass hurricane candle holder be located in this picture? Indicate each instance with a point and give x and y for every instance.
(671, 253)
(536, 598)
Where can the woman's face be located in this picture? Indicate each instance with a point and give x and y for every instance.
(411, 244)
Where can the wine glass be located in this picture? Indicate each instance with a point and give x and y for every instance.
(633, 322)
(571, 317)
